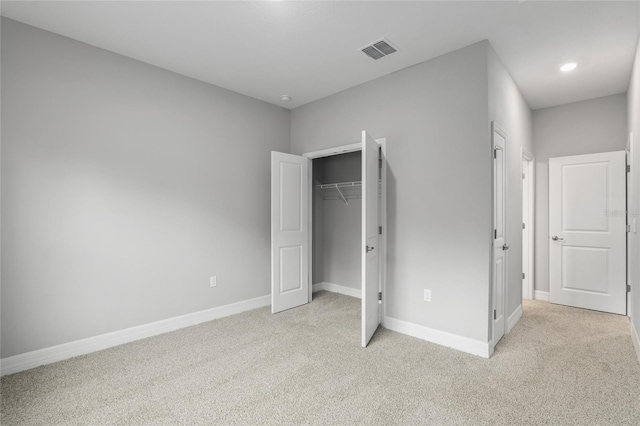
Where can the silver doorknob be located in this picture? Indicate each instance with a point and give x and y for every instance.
(556, 238)
(505, 247)
(369, 248)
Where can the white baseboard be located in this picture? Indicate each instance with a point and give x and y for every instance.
(464, 344)
(541, 295)
(514, 318)
(26, 361)
(635, 336)
(336, 288)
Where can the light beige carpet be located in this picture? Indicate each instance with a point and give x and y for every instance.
(558, 366)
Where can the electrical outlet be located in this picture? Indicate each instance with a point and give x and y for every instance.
(427, 295)
(213, 281)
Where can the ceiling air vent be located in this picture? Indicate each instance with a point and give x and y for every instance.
(379, 49)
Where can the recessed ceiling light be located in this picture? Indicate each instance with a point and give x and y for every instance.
(285, 98)
(569, 66)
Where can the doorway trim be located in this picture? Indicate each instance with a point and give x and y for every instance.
(343, 149)
(631, 219)
(531, 186)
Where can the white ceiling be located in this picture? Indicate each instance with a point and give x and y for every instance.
(310, 49)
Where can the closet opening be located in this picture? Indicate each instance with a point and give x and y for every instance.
(337, 223)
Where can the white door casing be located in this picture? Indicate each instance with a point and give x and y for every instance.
(587, 227)
(632, 219)
(289, 231)
(499, 266)
(370, 246)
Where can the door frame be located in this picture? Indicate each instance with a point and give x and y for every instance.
(531, 183)
(630, 182)
(343, 149)
(495, 128)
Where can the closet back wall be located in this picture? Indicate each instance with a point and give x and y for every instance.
(341, 224)
(124, 187)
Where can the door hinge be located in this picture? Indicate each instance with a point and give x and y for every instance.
(523, 176)
(524, 226)
(495, 150)
(628, 288)
(494, 314)
(379, 295)
(628, 228)
(628, 168)
(523, 276)
(380, 230)
(495, 234)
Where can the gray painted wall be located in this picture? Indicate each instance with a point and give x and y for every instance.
(124, 187)
(435, 118)
(633, 106)
(342, 242)
(511, 112)
(587, 127)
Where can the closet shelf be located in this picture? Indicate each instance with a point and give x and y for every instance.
(339, 185)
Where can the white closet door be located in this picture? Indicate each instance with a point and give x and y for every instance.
(370, 246)
(499, 232)
(289, 231)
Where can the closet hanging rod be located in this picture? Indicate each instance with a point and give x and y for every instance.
(339, 185)
(337, 197)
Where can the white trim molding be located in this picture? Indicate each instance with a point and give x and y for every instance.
(337, 288)
(464, 344)
(514, 318)
(541, 295)
(26, 361)
(334, 151)
(636, 340)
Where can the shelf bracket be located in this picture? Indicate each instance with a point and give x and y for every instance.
(342, 196)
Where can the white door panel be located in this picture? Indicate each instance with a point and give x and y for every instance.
(499, 233)
(289, 231)
(584, 189)
(526, 279)
(587, 225)
(370, 246)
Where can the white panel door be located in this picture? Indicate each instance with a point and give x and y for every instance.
(499, 272)
(526, 279)
(587, 226)
(289, 231)
(370, 246)
(632, 219)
